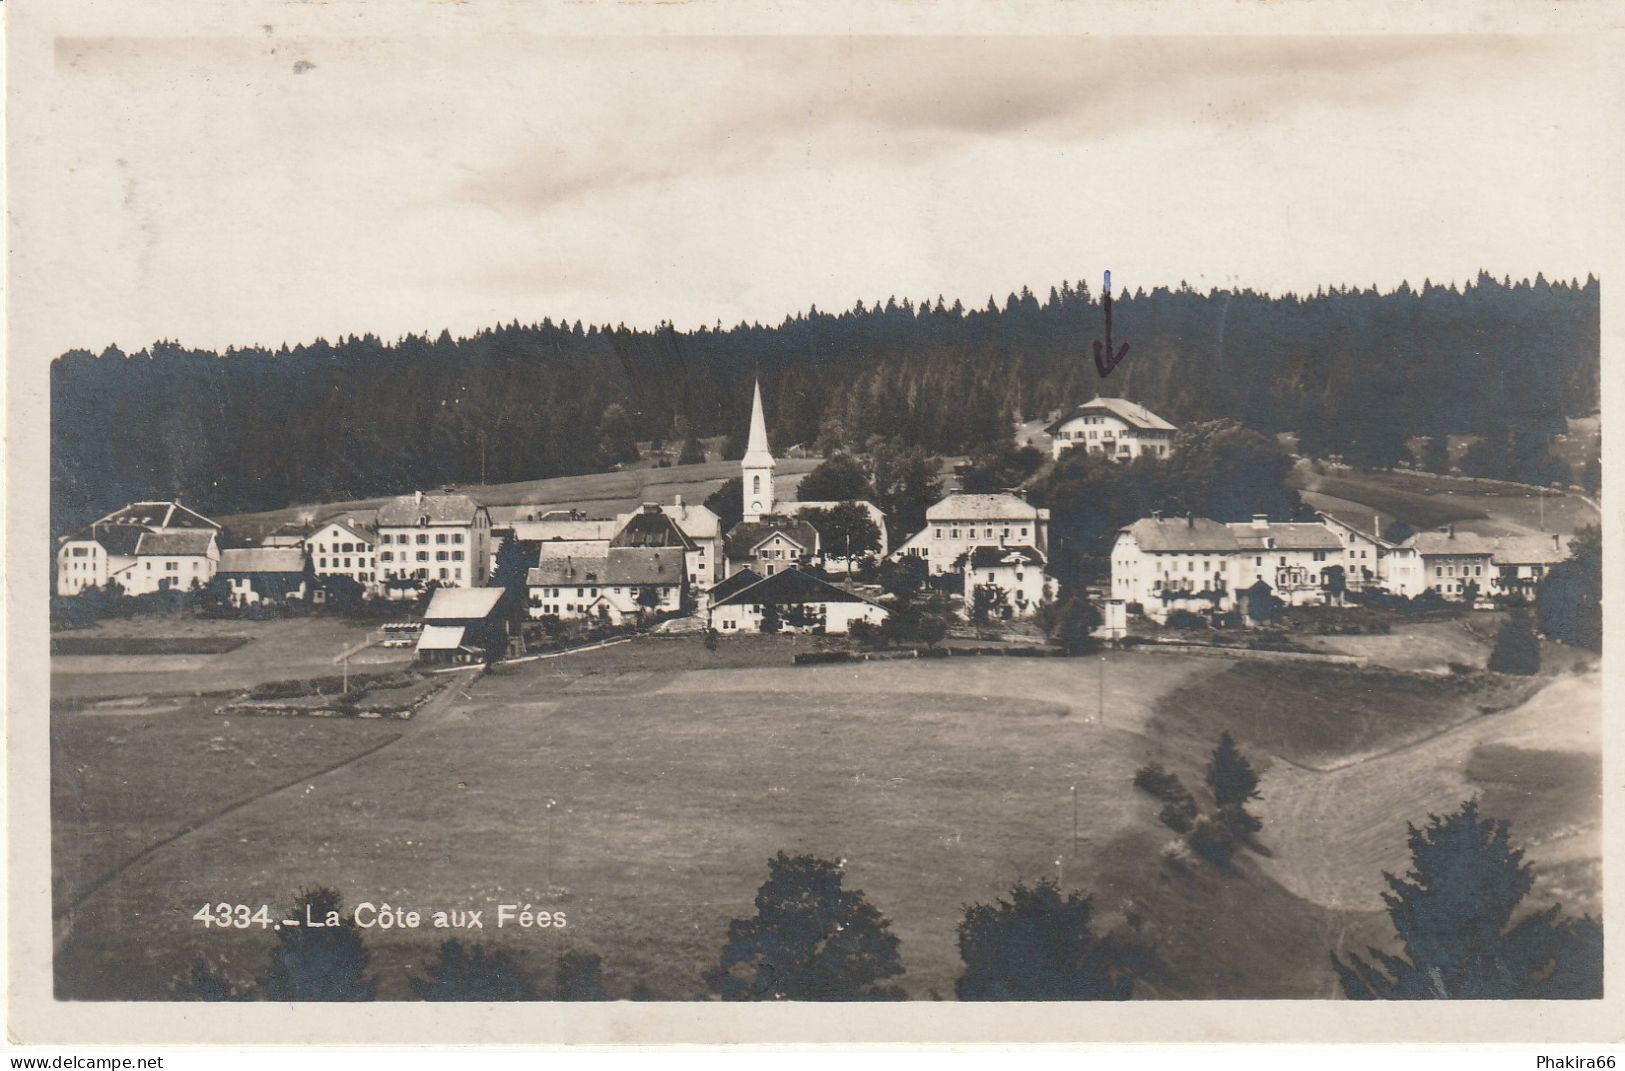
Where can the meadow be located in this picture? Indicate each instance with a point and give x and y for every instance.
(675, 773)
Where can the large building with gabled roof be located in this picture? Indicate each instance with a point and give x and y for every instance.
(1114, 428)
(108, 551)
(792, 601)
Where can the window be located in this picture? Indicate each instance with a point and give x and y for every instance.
(1259, 560)
(456, 555)
(386, 555)
(423, 555)
(1438, 570)
(346, 563)
(457, 537)
(439, 555)
(755, 485)
(423, 538)
(443, 575)
(440, 537)
(1320, 555)
(1024, 531)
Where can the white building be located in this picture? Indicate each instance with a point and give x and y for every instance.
(565, 533)
(344, 547)
(664, 526)
(706, 563)
(1522, 562)
(104, 551)
(796, 601)
(770, 544)
(1452, 561)
(1017, 572)
(1112, 427)
(1192, 563)
(1163, 564)
(1296, 559)
(626, 584)
(173, 560)
(959, 523)
(1371, 561)
(444, 537)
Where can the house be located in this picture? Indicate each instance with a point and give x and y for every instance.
(463, 624)
(172, 561)
(706, 563)
(1521, 562)
(959, 523)
(626, 584)
(263, 574)
(1162, 564)
(444, 537)
(1455, 564)
(1369, 559)
(1017, 572)
(104, 551)
(343, 546)
(1298, 560)
(770, 544)
(789, 601)
(1112, 427)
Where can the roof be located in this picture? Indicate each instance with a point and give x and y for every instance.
(187, 541)
(115, 540)
(742, 579)
(440, 637)
(1450, 542)
(1295, 535)
(351, 525)
(697, 522)
(982, 508)
(1130, 413)
(1366, 524)
(573, 569)
(1189, 535)
(262, 560)
(651, 528)
(567, 529)
(157, 515)
(462, 604)
(411, 510)
(789, 587)
(646, 565)
(1531, 550)
(992, 557)
(746, 536)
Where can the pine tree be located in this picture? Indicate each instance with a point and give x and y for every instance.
(580, 976)
(1517, 649)
(1231, 779)
(1452, 913)
(810, 939)
(1569, 599)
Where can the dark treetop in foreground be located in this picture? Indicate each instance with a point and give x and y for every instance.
(258, 429)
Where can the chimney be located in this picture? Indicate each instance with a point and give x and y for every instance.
(1555, 544)
(1190, 520)
(651, 507)
(677, 500)
(1376, 525)
(1451, 529)
(417, 498)
(1156, 514)
(1261, 521)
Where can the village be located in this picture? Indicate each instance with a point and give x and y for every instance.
(484, 584)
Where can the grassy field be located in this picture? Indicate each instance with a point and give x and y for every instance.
(1422, 500)
(274, 650)
(678, 771)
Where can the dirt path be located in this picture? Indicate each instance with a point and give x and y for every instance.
(1334, 833)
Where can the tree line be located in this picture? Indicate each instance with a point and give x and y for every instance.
(1357, 369)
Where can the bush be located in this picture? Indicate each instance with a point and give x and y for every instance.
(580, 976)
(1040, 945)
(1212, 840)
(326, 963)
(205, 983)
(473, 973)
(1154, 779)
(1517, 650)
(1186, 619)
(1177, 817)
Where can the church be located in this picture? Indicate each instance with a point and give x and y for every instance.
(773, 536)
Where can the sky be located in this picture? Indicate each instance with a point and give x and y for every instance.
(255, 185)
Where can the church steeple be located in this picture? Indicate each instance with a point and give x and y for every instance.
(756, 469)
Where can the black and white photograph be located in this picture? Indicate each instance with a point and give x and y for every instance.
(574, 503)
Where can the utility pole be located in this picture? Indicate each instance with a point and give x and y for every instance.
(1074, 819)
(1100, 717)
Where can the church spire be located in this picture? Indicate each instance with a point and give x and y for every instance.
(756, 469)
(758, 425)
